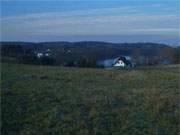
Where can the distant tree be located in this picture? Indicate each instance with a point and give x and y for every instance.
(136, 56)
(168, 52)
(28, 57)
(176, 56)
(11, 50)
(47, 60)
(83, 62)
(87, 62)
(70, 64)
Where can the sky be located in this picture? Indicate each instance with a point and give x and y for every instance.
(95, 20)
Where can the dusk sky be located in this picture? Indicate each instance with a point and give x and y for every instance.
(97, 20)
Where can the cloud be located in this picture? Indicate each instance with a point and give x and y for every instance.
(122, 20)
(80, 13)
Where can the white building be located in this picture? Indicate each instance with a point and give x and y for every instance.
(46, 53)
(119, 63)
(122, 62)
(39, 55)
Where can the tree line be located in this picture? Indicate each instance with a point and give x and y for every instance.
(26, 55)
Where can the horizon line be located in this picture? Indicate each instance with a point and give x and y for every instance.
(65, 41)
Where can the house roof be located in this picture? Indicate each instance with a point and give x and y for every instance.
(111, 62)
(127, 62)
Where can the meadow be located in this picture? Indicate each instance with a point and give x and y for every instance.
(44, 100)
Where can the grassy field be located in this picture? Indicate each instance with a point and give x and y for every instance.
(41, 100)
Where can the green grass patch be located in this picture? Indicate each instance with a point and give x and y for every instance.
(55, 100)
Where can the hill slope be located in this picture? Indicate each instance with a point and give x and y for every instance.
(64, 52)
(51, 100)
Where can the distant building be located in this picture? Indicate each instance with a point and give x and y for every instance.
(120, 62)
(46, 53)
(39, 55)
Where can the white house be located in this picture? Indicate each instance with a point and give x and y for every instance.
(122, 62)
(119, 63)
(46, 53)
(39, 55)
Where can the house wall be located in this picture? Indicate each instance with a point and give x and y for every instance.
(120, 63)
(39, 55)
